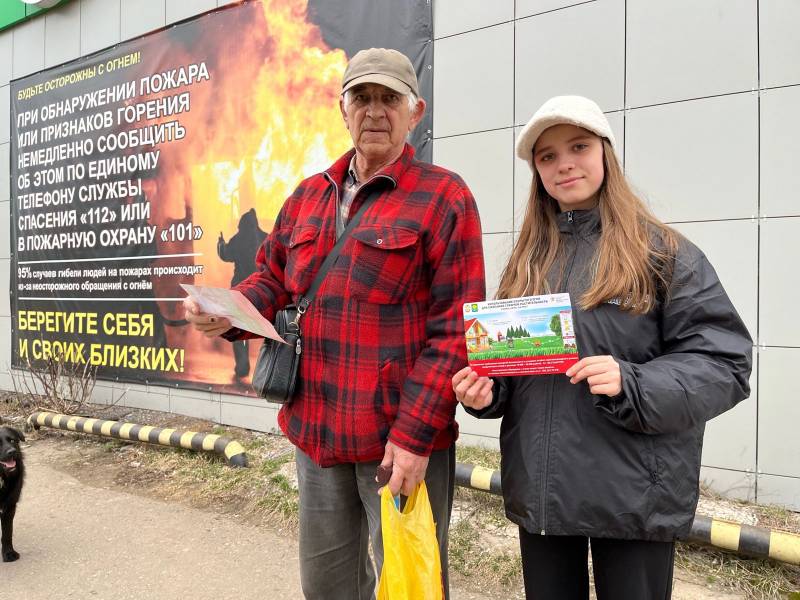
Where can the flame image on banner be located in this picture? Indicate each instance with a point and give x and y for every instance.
(268, 118)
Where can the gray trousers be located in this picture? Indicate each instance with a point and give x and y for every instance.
(340, 511)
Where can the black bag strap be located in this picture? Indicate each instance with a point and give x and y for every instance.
(305, 300)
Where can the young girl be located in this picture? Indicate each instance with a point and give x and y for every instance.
(609, 454)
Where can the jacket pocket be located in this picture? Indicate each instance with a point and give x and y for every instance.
(301, 258)
(651, 459)
(385, 264)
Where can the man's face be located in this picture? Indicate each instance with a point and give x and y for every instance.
(379, 119)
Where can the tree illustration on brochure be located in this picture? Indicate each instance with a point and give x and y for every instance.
(555, 325)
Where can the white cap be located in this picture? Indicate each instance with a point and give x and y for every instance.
(572, 110)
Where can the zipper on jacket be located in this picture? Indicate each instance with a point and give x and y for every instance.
(548, 418)
(570, 220)
(336, 207)
(549, 408)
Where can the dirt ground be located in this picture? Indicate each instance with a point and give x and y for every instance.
(91, 516)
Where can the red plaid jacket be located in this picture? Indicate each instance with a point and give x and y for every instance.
(385, 333)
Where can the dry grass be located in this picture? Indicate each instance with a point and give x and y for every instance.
(53, 384)
(469, 556)
(482, 543)
(757, 579)
(263, 492)
(476, 455)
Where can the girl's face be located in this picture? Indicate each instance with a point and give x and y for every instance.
(569, 160)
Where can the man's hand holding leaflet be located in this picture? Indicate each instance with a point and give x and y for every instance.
(232, 305)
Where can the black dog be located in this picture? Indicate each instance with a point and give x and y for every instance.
(12, 472)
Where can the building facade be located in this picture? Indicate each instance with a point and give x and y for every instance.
(702, 96)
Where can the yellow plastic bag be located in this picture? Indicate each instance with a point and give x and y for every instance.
(411, 566)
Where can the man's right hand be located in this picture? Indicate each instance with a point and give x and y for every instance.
(209, 325)
(471, 390)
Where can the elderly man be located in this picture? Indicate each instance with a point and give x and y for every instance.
(383, 335)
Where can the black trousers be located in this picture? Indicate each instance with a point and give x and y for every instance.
(556, 567)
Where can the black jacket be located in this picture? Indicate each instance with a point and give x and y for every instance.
(627, 467)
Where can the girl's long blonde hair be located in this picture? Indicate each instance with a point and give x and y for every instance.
(635, 254)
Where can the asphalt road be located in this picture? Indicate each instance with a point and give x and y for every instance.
(79, 541)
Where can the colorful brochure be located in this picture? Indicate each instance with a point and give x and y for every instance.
(533, 335)
(234, 306)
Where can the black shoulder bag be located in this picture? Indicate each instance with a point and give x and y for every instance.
(275, 374)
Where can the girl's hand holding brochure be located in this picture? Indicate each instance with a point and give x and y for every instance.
(601, 372)
(471, 390)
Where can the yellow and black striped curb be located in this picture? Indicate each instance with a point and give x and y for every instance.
(478, 478)
(746, 539)
(742, 539)
(191, 440)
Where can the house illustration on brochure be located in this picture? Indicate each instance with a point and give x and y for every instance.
(477, 336)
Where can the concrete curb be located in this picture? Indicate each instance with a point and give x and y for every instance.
(741, 539)
(232, 451)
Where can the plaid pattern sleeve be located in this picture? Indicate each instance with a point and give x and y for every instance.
(427, 404)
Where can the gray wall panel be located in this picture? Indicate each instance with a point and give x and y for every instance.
(62, 33)
(484, 432)
(526, 8)
(177, 10)
(103, 393)
(696, 160)
(203, 405)
(686, 49)
(28, 48)
(256, 414)
(780, 151)
(549, 63)
(617, 122)
(784, 491)
(779, 412)
(779, 286)
(147, 397)
(5, 174)
(456, 16)
(778, 41)
(497, 250)
(5, 227)
(5, 300)
(5, 113)
(732, 249)
(739, 452)
(141, 16)
(522, 185)
(737, 485)
(485, 161)
(6, 57)
(100, 24)
(5, 345)
(474, 81)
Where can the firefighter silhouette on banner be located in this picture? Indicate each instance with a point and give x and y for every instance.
(241, 251)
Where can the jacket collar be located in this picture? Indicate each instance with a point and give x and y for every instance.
(582, 222)
(394, 171)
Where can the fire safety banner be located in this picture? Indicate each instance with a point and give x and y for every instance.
(165, 160)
